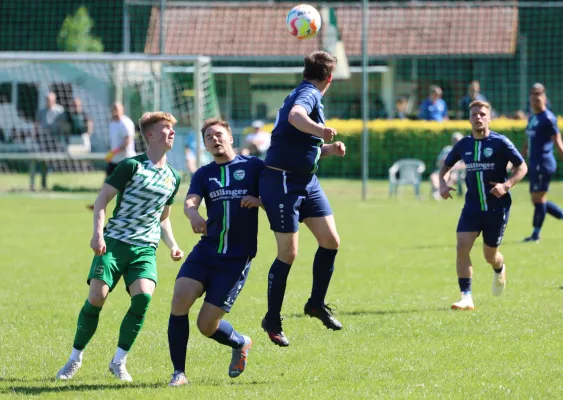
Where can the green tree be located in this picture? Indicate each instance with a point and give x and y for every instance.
(75, 34)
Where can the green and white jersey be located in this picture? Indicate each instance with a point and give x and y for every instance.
(144, 190)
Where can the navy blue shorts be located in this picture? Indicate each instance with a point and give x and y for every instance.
(539, 178)
(288, 199)
(222, 278)
(491, 223)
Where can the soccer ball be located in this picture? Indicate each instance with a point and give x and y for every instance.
(303, 21)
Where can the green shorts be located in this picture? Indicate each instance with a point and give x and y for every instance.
(133, 262)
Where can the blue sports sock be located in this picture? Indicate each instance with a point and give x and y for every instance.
(277, 279)
(323, 267)
(464, 285)
(178, 336)
(540, 209)
(554, 210)
(226, 334)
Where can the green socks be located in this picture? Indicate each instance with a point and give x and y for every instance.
(133, 321)
(87, 324)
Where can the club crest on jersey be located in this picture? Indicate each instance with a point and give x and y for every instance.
(168, 183)
(239, 174)
(487, 152)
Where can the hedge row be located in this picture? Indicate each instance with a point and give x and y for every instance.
(391, 140)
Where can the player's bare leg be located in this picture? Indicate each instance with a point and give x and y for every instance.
(86, 327)
(186, 292)
(465, 241)
(495, 258)
(141, 291)
(211, 324)
(324, 230)
(277, 280)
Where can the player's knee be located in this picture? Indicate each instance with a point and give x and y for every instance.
(331, 242)
(207, 326)
(463, 248)
(181, 303)
(492, 256)
(96, 299)
(287, 255)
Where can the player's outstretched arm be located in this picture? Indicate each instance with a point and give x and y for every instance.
(107, 193)
(299, 118)
(444, 188)
(334, 149)
(191, 206)
(167, 235)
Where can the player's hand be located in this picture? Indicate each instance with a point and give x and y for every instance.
(199, 226)
(176, 254)
(109, 156)
(328, 134)
(339, 149)
(498, 190)
(250, 201)
(98, 244)
(445, 191)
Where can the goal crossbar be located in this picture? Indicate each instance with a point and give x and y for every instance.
(101, 57)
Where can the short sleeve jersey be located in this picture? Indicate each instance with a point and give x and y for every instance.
(231, 230)
(291, 149)
(118, 131)
(437, 111)
(540, 131)
(485, 162)
(143, 191)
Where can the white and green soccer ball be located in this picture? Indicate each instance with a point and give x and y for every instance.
(303, 21)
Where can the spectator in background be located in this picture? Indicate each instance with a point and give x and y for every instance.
(473, 94)
(76, 125)
(121, 139)
(434, 108)
(401, 107)
(257, 142)
(44, 126)
(454, 174)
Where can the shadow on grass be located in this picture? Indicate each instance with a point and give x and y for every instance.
(376, 312)
(37, 390)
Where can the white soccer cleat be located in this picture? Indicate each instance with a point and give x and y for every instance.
(69, 370)
(178, 379)
(465, 304)
(499, 282)
(119, 371)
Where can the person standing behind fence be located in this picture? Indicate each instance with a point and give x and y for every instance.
(44, 126)
(121, 139)
(473, 94)
(434, 108)
(77, 125)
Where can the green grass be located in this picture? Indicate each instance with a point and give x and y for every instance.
(393, 285)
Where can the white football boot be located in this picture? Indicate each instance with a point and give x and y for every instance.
(119, 371)
(499, 282)
(67, 372)
(466, 303)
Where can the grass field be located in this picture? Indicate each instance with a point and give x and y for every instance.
(393, 285)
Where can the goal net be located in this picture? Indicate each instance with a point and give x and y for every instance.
(56, 109)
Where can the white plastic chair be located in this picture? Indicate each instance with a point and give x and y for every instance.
(406, 171)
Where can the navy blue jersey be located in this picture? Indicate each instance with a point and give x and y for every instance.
(540, 131)
(485, 161)
(292, 150)
(231, 230)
